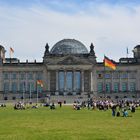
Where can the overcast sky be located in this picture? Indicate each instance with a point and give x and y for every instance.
(111, 25)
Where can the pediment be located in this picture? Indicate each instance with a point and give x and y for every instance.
(71, 60)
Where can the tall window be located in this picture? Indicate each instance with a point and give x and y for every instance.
(6, 87)
(132, 75)
(38, 76)
(116, 87)
(22, 76)
(14, 76)
(77, 80)
(39, 88)
(124, 87)
(14, 87)
(132, 87)
(30, 76)
(100, 87)
(108, 87)
(61, 80)
(31, 87)
(69, 81)
(22, 87)
(6, 76)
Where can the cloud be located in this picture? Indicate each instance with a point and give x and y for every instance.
(110, 27)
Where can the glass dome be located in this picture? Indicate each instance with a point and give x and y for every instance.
(69, 46)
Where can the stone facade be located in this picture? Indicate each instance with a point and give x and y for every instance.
(68, 69)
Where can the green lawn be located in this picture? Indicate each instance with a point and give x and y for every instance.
(66, 124)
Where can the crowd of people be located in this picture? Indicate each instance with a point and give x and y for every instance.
(118, 107)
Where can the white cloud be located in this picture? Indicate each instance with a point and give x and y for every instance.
(111, 29)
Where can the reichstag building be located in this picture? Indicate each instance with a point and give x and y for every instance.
(69, 69)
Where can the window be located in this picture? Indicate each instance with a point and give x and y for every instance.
(99, 75)
(116, 75)
(116, 87)
(132, 75)
(14, 87)
(38, 76)
(61, 80)
(100, 87)
(6, 87)
(39, 88)
(22, 87)
(6, 76)
(132, 87)
(124, 87)
(69, 80)
(107, 75)
(108, 87)
(124, 75)
(31, 87)
(13, 76)
(30, 76)
(77, 80)
(22, 76)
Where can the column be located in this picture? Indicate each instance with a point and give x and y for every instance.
(1, 81)
(74, 82)
(48, 81)
(65, 82)
(45, 80)
(137, 83)
(94, 75)
(91, 85)
(56, 93)
(82, 81)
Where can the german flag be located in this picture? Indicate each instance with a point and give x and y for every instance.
(39, 82)
(109, 63)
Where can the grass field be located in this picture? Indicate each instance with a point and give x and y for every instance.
(66, 124)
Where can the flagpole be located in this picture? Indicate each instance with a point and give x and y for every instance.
(104, 78)
(127, 52)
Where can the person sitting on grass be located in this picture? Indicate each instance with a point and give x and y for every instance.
(52, 106)
(35, 106)
(76, 106)
(118, 114)
(125, 113)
